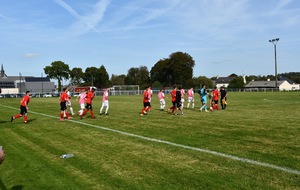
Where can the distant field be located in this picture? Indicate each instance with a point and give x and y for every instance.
(254, 144)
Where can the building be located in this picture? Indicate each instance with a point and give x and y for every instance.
(20, 84)
(265, 85)
(222, 81)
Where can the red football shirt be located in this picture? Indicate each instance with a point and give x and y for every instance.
(63, 97)
(173, 95)
(25, 100)
(89, 97)
(216, 94)
(146, 96)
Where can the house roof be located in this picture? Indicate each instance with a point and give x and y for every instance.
(37, 79)
(263, 84)
(11, 78)
(287, 79)
(26, 78)
(222, 80)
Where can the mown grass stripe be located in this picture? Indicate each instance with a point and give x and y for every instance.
(244, 160)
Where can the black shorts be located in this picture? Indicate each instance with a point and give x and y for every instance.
(63, 106)
(146, 104)
(174, 104)
(89, 106)
(177, 104)
(216, 101)
(23, 110)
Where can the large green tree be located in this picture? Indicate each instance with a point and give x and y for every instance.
(96, 77)
(161, 72)
(102, 78)
(177, 69)
(182, 67)
(237, 82)
(132, 76)
(59, 71)
(137, 76)
(143, 75)
(201, 80)
(117, 79)
(90, 75)
(76, 75)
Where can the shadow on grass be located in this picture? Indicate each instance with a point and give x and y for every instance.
(30, 120)
(18, 120)
(17, 187)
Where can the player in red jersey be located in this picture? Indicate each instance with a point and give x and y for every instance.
(89, 98)
(174, 103)
(215, 99)
(23, 108)
(63, 107)
(147, 105)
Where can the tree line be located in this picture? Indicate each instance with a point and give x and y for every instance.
(177, 69)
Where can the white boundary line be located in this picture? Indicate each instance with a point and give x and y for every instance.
(245, 160)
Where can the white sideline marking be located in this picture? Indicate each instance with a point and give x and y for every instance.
(245, 160)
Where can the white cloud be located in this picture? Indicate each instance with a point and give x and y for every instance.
(30, 55)
(6, 18)
(90, 20)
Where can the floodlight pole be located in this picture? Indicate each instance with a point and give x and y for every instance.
(274, 42)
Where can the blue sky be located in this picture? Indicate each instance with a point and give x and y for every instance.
(223, 36)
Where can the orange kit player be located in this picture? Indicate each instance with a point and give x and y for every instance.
(173, 96)
(215, 99)
(147, 105)
(63, 106)
(23, 108)
(89, 98)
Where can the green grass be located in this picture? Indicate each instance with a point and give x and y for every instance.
(262, 127)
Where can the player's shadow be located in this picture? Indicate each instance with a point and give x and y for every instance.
(16, 187)
(30, 120)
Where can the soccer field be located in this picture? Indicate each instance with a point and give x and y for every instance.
(253, 144)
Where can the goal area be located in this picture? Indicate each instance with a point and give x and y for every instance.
(125, 90)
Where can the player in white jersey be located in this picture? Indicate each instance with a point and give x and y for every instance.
(81, 100)
(182, 92)
(161, 97)
(150, 92)
(68, 101)
(105, 102)
(190, 98)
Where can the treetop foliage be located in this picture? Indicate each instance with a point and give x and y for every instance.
(177, 69)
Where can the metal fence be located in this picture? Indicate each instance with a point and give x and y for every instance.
(136, 92)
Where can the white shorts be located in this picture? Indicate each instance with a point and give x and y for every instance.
(82, 106)
(182, 100)
(191, 99)
(162, 101)
(68, 103)
(105, 103)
